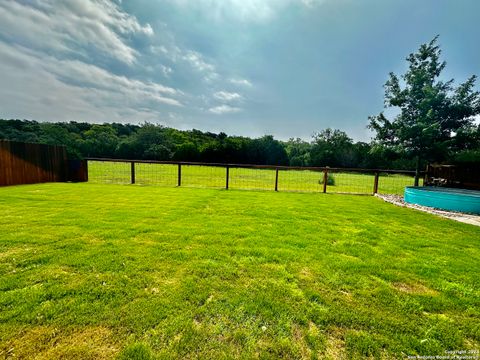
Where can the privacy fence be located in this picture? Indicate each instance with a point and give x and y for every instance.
(249, 177)
(25, 163)
(457, 176)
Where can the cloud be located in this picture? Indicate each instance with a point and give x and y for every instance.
(196, 60)
(193, 59)
(46, 88)
(243, 10)
(227, 96)
(81, 60)
(312, 3)
(242, 82)
(79, 27)
(88, 76)
(224, 109)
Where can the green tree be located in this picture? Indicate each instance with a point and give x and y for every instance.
(298, 152)
(186, 152)
(152, 142)
(431, 111)
(100, 140)
(58, 134)
(332, 147)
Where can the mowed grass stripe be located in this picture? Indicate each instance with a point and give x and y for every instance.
(101, 271)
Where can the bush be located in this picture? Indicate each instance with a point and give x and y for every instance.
(330, 180)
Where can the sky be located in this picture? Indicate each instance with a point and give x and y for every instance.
(288, 68)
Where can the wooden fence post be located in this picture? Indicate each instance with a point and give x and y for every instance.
(227, 176)
(325, 180)
(375, 183)
(425, 176)
(179, 183)
(276, 179)
(132, 172)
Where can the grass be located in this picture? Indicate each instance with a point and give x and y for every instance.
(243, 178)
(92, 271)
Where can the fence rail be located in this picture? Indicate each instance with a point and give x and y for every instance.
(247, 176)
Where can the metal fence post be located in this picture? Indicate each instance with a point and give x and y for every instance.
(132, 172)
(179, 183)
(276, 179)
(227, 176)
(325, 179)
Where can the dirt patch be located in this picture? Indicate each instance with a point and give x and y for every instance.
(453, 215)
(306, 274)
(414, 288)
(299, 337)
(335, 348)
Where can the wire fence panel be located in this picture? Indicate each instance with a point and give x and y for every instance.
(252, 179)
(156, 174)
(349, 182)
(109, 172)
(203, 176)
(300, 180)
(395, 183)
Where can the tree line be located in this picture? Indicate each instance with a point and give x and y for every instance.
(329, 147)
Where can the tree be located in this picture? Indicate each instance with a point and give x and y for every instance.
(152, 142)
(298, 152)
(268, 151)
(332, 147)
(100, 140)
(55, 134)
(431, 111)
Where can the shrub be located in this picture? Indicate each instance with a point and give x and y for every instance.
(330, 180)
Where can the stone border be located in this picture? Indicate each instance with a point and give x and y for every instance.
(453, 215)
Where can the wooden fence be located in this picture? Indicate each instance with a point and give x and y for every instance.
(131, 177)
(25, 163)
(457, 176)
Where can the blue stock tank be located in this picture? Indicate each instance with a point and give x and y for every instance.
(462, 200)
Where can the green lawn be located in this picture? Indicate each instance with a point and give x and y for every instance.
(92, 271)
(243, 178)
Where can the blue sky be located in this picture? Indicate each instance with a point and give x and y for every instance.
(245, 67)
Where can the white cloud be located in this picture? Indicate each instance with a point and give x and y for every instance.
(227, 96)
(312, 3)
(56, 58)
(166, 70)
(197, 61)
(46, 88)
(224, 109)
(194, 59)
(93, 77)
(242, 82)
(244, 10)
(174, 54)
(72, 26)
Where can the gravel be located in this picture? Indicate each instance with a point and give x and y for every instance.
(454, 215)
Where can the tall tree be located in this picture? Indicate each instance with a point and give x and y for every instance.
(431, 111)
(332, 147)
